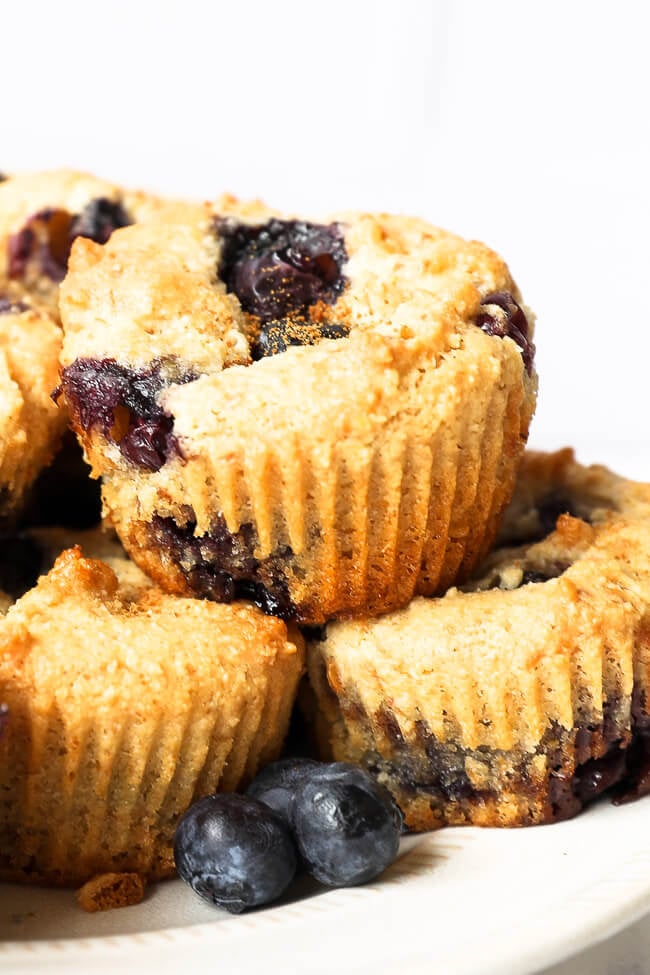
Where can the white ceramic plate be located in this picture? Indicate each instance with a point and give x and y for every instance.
(459, 902)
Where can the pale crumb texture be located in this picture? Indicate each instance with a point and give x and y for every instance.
(479, 706)
(31, 425)
(109, 890)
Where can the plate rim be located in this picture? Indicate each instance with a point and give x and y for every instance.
(551, 936)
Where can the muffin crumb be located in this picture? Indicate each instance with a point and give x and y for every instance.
(108, 890)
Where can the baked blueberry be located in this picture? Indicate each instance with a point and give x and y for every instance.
(98, 220)
(346, 826)
(222, 565)
(549, 510)
(275, 337)
(48, 235)
(122, 403)
(282, 267)
(44, 239)
(234, 851)
(280, 456)
(276, 784)
(504, 317)
(9, 306)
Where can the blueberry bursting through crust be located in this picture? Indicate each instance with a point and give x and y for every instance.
(280, 272)
(122, 404)
(222, 565)
(47, 237)
(503, 317)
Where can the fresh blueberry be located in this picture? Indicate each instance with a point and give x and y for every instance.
(276, 784)
(346, 826)
(281, 267)
(234, 852)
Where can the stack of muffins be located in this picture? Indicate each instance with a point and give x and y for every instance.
(307, 435)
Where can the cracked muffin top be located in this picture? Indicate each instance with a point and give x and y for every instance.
(241, 270)
(177, 304)
(252, 375)
(42, 213)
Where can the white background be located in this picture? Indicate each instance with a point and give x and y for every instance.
(523, 124)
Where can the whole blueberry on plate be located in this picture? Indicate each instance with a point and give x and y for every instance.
(346, 826)
(234, 852)
(276, 784)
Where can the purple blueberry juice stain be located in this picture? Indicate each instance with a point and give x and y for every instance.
(98, 220)
(123, 404)
(508, 322)
(10, 307)
(221, 565)
(44, 239)
(281, 268)
(47, 236)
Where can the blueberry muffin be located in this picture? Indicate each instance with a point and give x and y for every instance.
(123, 706)
(325, 418)
(31, 426)
(522, 697)
(41, 214)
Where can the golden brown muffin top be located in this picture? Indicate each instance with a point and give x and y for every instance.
(160, 290)
(84, 633)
